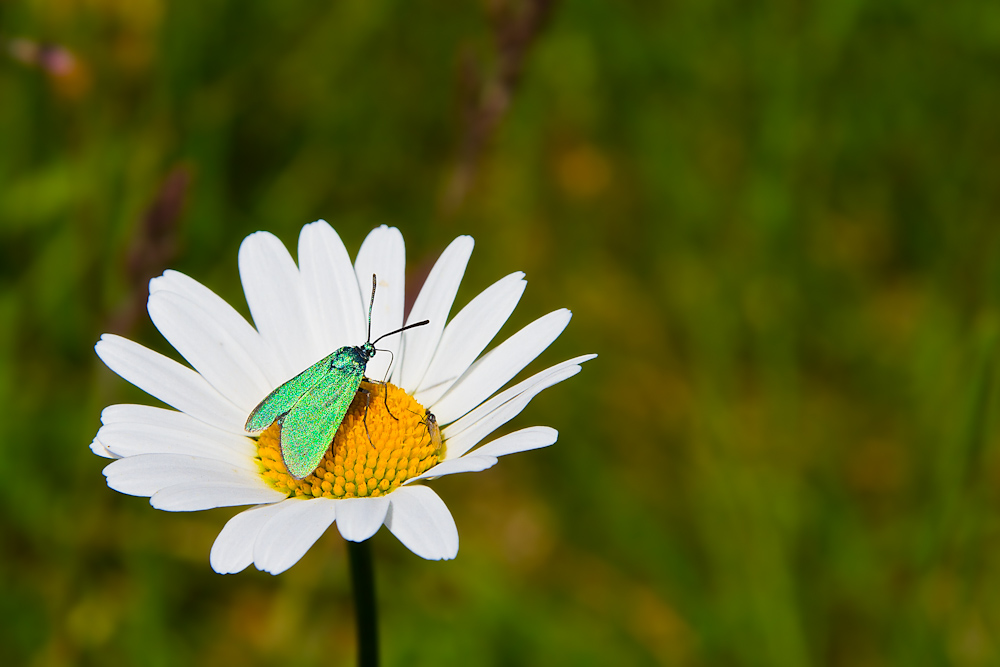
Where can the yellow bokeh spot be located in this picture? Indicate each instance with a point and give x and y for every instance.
(401, 447)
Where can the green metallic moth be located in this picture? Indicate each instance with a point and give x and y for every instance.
(310, 407)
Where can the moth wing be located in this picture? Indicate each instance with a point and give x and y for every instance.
(309, 427)
(284, 398)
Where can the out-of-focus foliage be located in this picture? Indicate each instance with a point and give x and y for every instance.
(777, 222)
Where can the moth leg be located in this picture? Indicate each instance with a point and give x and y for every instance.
(384, 381)
(368, 400)
(386, 395)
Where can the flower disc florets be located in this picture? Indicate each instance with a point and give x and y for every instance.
(400, 447)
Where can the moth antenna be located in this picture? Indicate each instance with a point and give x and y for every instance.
(408, 326)
(370, 306)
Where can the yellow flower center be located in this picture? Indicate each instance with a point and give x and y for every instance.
(403, 444)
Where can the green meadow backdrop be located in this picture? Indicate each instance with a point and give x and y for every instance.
(778, 223)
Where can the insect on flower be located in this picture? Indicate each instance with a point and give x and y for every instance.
(433, 429)
(196, 454)
(310, 407)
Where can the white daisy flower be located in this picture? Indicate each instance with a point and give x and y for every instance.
(198, 456)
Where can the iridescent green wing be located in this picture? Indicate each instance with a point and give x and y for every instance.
(308, 428)
(284, 398)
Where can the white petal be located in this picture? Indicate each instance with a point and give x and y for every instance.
(145, 474)
(181, 425)
(273, 288)
(287, 535)
(331, 287)
(360, 518)
(469, 438)
(499, 365)
(489, 406)
(433, 303)
(193, 497)
(466, 433)
(226, 317)
(468, 463)
(421, 521)
(534, 437)
(383, 254)
(232, 551)
(135, 413)
(468, 334)
(124, 439)
(98, 448)
(170, 382)
(209, 348)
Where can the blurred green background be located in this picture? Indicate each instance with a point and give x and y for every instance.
(776, 222)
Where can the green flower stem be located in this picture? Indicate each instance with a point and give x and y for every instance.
(363, 583)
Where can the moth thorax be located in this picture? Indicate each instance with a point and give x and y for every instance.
(363, 461)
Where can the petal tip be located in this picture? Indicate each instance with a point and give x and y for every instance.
(156, 284)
